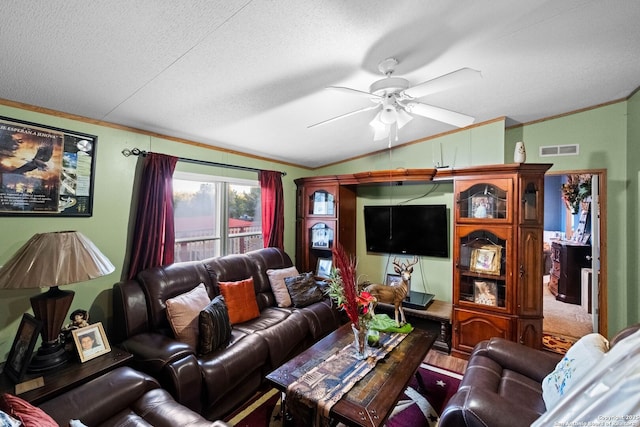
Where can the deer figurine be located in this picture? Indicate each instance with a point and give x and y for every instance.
(394, 294)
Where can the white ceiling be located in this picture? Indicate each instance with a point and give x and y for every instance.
(251, 75)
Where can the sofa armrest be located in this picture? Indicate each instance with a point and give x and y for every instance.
(171, 362)
(101, 398)
(155, 351)
(475, 407)
(535, 364)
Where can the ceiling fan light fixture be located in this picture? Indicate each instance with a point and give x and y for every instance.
(388, 116)
(403, 118)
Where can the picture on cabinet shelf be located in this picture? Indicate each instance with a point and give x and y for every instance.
(323, 269)
(322, 203)
(485, 292)
(321, 237)
(486, 259)
(481, 206)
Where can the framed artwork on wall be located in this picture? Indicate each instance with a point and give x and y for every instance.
(45, 171)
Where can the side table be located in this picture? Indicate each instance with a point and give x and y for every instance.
(68, 376)
(436, 318)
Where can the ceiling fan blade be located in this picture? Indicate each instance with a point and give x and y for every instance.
(324, 122)
(354, 91)
(440, 114)
(444, 82)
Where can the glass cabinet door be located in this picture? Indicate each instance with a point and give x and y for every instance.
(484, 200)
(531, 209)
(481, 269)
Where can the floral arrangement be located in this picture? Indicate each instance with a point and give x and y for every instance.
(343, 289)
(575, 190)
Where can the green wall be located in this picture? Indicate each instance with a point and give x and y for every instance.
(107, 228)
(608, 138)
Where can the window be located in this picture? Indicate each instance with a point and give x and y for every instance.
(215, 216)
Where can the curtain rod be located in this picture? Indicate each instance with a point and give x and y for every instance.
(137, 152)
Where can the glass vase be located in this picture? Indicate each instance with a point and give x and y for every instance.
(360, 334)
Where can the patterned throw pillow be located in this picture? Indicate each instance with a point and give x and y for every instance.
(279, 289)
(215, 328)
(303, 290)
(240, 298)
(578, 361)
(183, 311)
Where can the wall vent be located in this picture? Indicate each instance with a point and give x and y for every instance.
(560, 150)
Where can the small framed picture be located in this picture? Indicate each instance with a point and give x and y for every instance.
(481, 206)
(323, 269)
(486, 259)
(91, 341)
(321, 236)
(485, 292)
(22, 349)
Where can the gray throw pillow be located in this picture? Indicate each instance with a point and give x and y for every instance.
(303, 289)
(215, 328)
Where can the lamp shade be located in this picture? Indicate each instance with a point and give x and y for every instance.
(54, 259)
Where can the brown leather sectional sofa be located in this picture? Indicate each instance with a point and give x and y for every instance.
(121, 397)
(216, 383)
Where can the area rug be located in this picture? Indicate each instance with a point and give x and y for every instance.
(416, 407)
(557, 343)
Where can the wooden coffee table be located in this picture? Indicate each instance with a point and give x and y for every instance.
(373, 398)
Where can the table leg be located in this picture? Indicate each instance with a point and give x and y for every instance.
(421, 386)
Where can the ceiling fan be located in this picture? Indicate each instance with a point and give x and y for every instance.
(396, 99)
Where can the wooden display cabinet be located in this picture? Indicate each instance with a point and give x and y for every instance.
(326, 214)
(497, 250)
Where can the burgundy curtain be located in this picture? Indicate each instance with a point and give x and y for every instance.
(272, 209)
(154, 233)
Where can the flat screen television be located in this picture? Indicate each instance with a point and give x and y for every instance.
(407, 229)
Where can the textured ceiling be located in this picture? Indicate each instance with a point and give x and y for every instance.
(251, 75)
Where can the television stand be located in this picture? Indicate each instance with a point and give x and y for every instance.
(436, 317)
(418, 300)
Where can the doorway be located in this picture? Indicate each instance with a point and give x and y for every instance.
(574, 286)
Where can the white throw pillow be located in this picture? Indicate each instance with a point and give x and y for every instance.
(279, 289)
(183, 312)
(579, 360)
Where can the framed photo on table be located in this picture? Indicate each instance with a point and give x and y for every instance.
(22, 348)
(486, 259)
(91, 341)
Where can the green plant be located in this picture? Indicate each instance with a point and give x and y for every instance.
(575, 190)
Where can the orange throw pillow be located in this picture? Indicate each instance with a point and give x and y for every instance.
(240, 298)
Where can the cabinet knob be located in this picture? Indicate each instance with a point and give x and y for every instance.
(521, 271)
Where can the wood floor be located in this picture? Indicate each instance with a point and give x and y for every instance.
(445, 361)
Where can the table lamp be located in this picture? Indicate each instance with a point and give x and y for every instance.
(51, 260)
